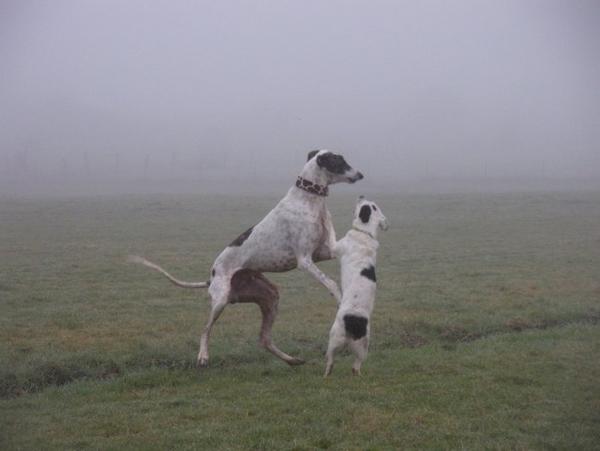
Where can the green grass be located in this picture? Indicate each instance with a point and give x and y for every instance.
(485, 332)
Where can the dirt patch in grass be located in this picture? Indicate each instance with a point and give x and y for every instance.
(411, 340)
(4, 287)
(520, 324)
(405, 338)
(454, 334)
(56, 374)
(517, 324)
(9, 386)
(458, 334)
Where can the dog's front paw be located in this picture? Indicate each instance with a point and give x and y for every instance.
(202, 363)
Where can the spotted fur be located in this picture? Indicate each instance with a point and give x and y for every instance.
(369, 273)
(242, 238)
(355, 326)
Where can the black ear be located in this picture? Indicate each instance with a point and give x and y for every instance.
(365, 213)
(333, 163)
(321, 160)
(311, 154)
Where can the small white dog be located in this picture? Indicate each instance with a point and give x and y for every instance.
(357, 252)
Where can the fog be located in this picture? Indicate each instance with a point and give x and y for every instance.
(180, 95)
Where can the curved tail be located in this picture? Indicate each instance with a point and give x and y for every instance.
(180, 283)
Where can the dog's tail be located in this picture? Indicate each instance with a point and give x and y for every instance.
(180, 283)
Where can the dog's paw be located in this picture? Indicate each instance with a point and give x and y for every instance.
(201, 364)
(295, 361)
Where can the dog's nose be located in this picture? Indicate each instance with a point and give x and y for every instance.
(359, 176)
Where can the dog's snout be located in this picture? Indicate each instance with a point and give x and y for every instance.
(356, 177)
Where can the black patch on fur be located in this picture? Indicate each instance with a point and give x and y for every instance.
(311, 154)
(365, 213)
(333, 163)
(369, 273)
(356, 326)
(243, 237)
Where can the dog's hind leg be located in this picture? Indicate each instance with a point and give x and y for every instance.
(337, 339)
(219, 296)
(268, 308)
(252, 286)
(360, 349)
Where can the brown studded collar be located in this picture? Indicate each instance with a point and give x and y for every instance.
(311, 187)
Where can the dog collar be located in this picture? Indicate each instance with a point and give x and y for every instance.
(362, 231)
(311, 187)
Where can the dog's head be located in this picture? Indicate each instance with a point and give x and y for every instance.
(369, 215)
(333, 166)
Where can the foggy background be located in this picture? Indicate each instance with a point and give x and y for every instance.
(124, 96)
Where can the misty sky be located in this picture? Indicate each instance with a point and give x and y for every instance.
(404, 89)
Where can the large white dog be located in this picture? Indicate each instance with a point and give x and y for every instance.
(357, 253)
(297, 233)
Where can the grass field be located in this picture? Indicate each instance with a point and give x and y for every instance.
(486, 330)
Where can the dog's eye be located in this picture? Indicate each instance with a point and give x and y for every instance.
(374, 207)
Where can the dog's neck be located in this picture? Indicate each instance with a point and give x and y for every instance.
(366, 232)
(311, 187)
(368, 229)
(312, 182)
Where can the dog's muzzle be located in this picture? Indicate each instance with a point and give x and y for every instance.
(357, 177)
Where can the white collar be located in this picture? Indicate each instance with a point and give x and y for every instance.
(363, 231)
